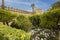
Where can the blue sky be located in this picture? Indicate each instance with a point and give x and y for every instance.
(25, 4)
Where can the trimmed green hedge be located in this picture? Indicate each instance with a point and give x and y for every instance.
(22, 23)
(35, 20)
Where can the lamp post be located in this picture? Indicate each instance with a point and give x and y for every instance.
(2, 4)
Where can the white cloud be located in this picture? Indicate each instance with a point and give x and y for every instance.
(27, 3)
(37, 2)
(8, 1)
(17, 2)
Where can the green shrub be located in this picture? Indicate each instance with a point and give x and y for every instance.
(1, 36)
(35, 20)
(50, 19)
(41, 36)
(6, 16)
(22, 22)
(8, 33)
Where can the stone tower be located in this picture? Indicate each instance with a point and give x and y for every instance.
(38, 11)
(2, 4)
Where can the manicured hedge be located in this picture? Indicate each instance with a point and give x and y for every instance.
(35, 20)
(22, 22)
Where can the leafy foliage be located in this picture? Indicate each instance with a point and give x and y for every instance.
(33, 7)
(50, 18)
(41, 36)
(6, 16)
(8, 33)
(35, 20)
(23, 23)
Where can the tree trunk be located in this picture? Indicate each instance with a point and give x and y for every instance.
(7, 23)
(57, 35)
(58, 29)
(3, 23)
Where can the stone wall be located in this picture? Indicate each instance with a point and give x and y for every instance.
(19, 11)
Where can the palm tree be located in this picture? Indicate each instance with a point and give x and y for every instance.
(33, 7)
(2, 4)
